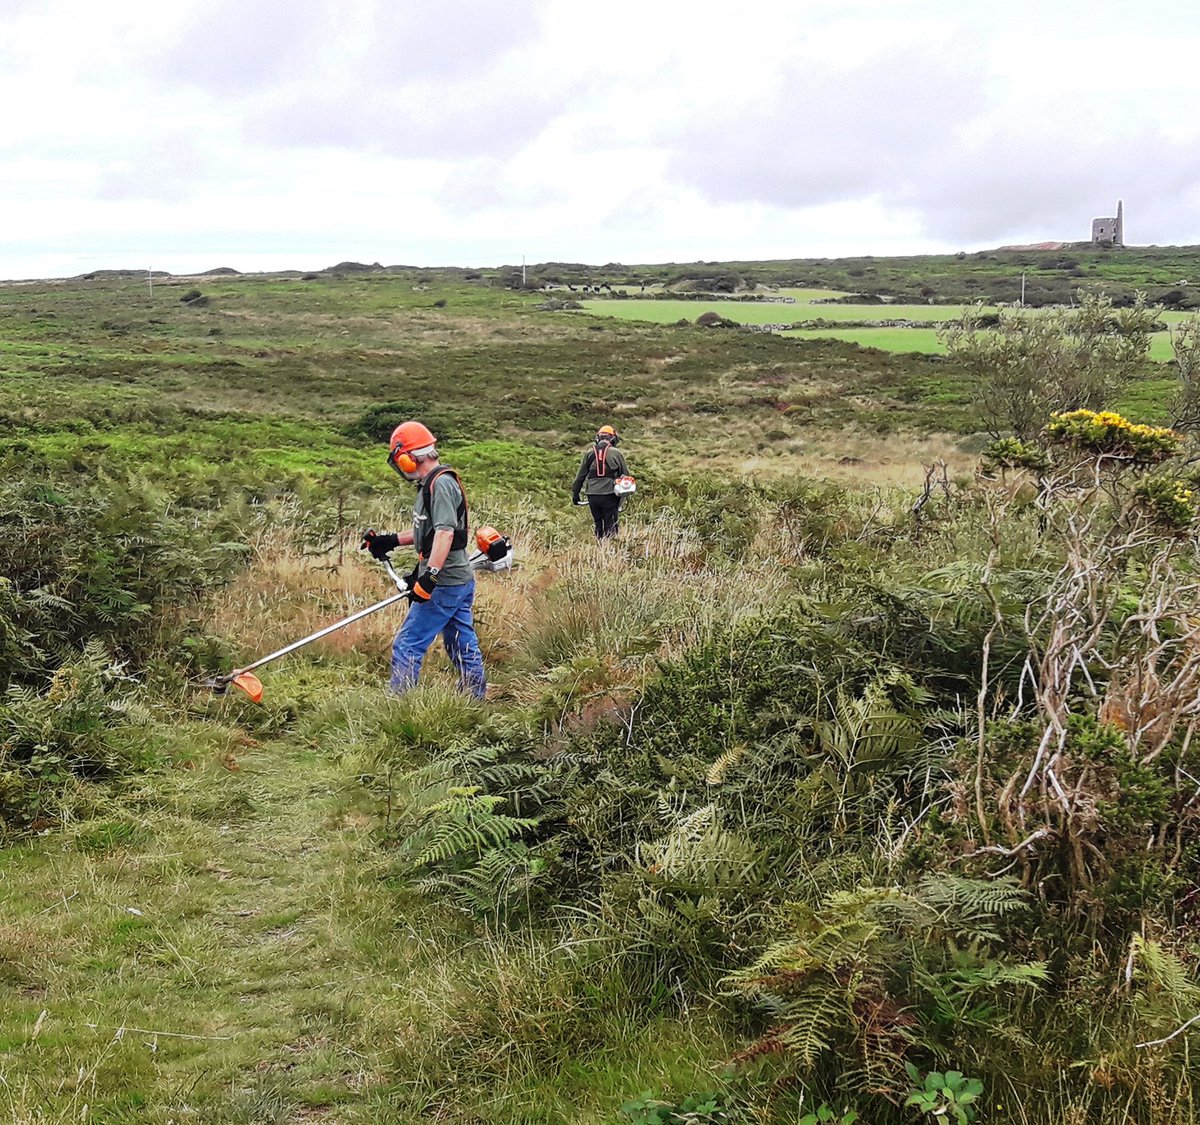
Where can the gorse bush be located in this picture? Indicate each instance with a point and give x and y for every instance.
(1108, 433)
(454, 423)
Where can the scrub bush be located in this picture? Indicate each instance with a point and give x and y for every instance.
(99, 579)
(114, 563)
(70, 732)
(907, 813)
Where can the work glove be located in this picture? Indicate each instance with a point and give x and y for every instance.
(577, 501)
(421, 590)
(380, 544)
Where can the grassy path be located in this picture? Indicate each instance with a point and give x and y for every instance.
(222, 944)
(212, 952)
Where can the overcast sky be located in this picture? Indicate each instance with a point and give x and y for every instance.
(260, 134)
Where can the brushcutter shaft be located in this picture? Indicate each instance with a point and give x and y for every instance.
(328, 628)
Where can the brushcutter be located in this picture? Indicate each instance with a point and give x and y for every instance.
(495, 551)
(494, 554)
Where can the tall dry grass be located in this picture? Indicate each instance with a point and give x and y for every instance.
(576, 609)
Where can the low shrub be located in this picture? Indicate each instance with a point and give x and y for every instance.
(112, 563)
(68, 733)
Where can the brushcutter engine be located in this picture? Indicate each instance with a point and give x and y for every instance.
(495, 551)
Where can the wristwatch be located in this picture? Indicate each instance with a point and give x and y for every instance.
(434, 570)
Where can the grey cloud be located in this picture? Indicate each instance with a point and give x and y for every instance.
(408, 79)
(830, 133)
(447, 39)
(915, 131)
(167, 169)
(419, 121)
(231, 47)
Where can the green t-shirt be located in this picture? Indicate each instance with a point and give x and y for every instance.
(446, 496)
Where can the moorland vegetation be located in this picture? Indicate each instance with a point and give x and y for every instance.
(809, 800)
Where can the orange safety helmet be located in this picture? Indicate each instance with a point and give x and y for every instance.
(410, 440)
(609, 432)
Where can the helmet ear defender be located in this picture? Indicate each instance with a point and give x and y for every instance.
(402, 462)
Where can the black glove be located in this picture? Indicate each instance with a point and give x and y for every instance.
(380, 544)
(575, 499)
(422, 589)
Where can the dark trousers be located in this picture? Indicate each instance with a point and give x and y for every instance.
(604, 514)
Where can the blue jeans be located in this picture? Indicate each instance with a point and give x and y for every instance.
(447, 612)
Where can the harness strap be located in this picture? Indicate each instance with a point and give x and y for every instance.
(460, 532)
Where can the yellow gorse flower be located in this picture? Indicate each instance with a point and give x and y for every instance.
(1106, 431)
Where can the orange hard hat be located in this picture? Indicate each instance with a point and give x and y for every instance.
(411, 437)
(606, 431)
(410, 440)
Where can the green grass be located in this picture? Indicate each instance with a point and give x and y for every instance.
(230, 937)
(922, 340)
(292, 363)
(222, 942)
(762, 312)
(926, 342)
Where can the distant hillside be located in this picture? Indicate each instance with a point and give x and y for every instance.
(1054, 273)
(1169, 275)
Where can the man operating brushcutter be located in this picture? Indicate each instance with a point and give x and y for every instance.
(599, 471)
(442, 586)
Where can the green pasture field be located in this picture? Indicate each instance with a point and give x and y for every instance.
(922, 340)
(925, 340)
(765, 312)
(897, 340)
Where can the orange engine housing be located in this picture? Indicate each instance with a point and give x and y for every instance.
(491, 543)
